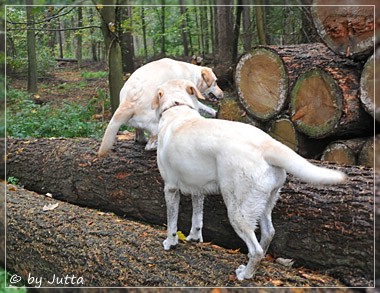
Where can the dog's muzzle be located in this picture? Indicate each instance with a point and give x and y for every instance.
(212, 97)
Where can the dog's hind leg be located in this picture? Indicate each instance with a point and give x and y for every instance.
(266, 226)
(243, 217)
(140, 136)
(172, 197)
(197, 219)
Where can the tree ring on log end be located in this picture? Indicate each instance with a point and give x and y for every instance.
(262, 83)
(340, 153)
(283, 130)
(316, 103)
(346, 29)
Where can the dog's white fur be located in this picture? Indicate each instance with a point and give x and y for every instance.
(137, 94)
(248, 167)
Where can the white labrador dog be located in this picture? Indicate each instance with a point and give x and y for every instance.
(138, 91)
(202, 156)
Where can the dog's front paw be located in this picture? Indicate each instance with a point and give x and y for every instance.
(170, 242)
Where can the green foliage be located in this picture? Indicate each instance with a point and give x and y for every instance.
(94, 74)
(12, 180)
(27, 119)
(4, 278)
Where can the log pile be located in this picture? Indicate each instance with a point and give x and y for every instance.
(310, 95)
(327, 228)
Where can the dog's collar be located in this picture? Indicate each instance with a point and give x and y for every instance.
(175, 105)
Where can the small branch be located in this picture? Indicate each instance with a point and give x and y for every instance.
(56, 29)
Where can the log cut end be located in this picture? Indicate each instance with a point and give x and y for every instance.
(348, 29)
(262, 83)
(371, 76)
(316, 103)
(283, 130)
(340, 153)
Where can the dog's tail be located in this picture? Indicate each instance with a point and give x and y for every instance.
(121, 116)
(281, 156)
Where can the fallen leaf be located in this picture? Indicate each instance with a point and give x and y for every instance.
(50, 207)
(233, 251)
(277, 282)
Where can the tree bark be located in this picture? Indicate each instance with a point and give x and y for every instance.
(32, 57)
(329, 228)
(348, 29)
(97, 249)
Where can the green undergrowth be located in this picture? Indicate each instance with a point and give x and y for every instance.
(25, 118)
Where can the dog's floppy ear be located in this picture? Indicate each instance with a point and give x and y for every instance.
(192, 90)
(156, 99)
(207, 76)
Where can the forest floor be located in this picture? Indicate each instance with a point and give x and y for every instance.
(190, 264)
(118, 252)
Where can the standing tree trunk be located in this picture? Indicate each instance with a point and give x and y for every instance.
(260, 22)
(115, 77)
(79, 38)
(247, 26)
(31, 41)
(143, 27)
(163, 27)
(126, 39)
(185, 43)
(239, 11)
(225, 33)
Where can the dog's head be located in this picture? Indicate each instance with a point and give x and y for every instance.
(176, 92)
(208, 86)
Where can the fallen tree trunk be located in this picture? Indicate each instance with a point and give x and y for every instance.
(329, 228)
(69, 246)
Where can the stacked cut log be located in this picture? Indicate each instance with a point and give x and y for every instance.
(310, 95)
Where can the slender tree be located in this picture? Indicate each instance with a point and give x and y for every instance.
(260, 21)
(31, 42)
(115, 77)
(78, 35)
(183, 11)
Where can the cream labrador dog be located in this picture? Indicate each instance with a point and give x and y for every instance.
(138, 91)
(200, 156)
